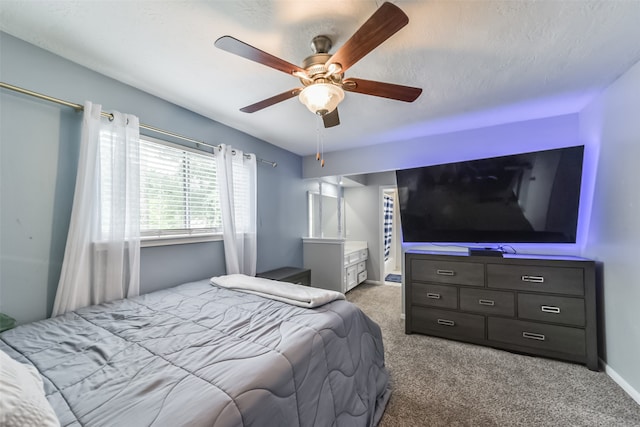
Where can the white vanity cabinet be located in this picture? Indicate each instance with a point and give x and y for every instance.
(355, 265)
(335, 264)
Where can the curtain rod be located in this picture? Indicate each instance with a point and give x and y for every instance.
(79, 107)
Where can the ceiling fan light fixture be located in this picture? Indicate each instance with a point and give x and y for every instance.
(321, 98)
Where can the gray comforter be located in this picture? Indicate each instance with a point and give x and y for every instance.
(198, 355)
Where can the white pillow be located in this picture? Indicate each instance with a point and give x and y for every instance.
(22, 399)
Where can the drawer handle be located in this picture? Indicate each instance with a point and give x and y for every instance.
(446, 322)
(533, 336)
(433, 296)
(532, 279)
(486, 302)
(445, 272)
(550, 309)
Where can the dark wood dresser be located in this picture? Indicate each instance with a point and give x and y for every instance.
(299, 276)
(540, 305)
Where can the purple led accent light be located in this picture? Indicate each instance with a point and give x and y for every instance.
(479, 116)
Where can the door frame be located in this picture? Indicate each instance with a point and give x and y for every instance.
(382, 189)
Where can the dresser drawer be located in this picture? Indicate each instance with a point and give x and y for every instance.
(362, 276)
(434, 295)
(362, 266)
(500, 303)
(461, 273)
(351, 257)
(450, 323)
(562, 339)
(556, 280)
(547, 308)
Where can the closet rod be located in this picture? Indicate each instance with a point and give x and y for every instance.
(79, 107)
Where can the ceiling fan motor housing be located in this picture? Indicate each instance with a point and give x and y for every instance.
(317, 71)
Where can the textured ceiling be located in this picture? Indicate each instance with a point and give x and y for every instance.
(479, 62)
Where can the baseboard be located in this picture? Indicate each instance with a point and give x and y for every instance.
(377, 282)
(635, 395)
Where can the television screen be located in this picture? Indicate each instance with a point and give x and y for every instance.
(521, 198)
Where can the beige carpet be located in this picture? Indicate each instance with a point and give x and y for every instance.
(438, 382)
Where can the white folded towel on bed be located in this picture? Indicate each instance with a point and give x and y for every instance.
(302, 296)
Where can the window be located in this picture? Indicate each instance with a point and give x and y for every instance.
(178, 191)
(179, 194)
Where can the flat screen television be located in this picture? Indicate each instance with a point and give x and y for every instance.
(522, 198)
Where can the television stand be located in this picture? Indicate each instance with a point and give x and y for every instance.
(533, 304)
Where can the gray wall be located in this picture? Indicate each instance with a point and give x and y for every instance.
(38, 159)
(612, 123)
(362, 214)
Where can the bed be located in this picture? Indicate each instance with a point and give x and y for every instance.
(199, 354)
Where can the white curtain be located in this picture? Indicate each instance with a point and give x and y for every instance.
(237, 181)
(102, 256)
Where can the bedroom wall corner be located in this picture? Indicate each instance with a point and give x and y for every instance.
(362, 213)
(610, 125)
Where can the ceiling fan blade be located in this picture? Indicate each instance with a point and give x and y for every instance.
(384, 23)
(331, 119)
(271, 101)
(247, 51)
(384, 90)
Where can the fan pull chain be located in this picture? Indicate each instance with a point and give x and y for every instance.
(322, 150)
(319, 141)
(318, 138)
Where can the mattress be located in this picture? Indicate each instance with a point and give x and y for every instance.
(198, 354)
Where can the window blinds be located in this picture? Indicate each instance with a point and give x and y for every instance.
(178, 190)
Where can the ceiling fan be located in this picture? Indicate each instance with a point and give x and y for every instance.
(322, 74)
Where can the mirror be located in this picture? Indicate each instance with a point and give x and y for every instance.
(326, 218)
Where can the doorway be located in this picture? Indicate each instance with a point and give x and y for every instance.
(391, 244)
